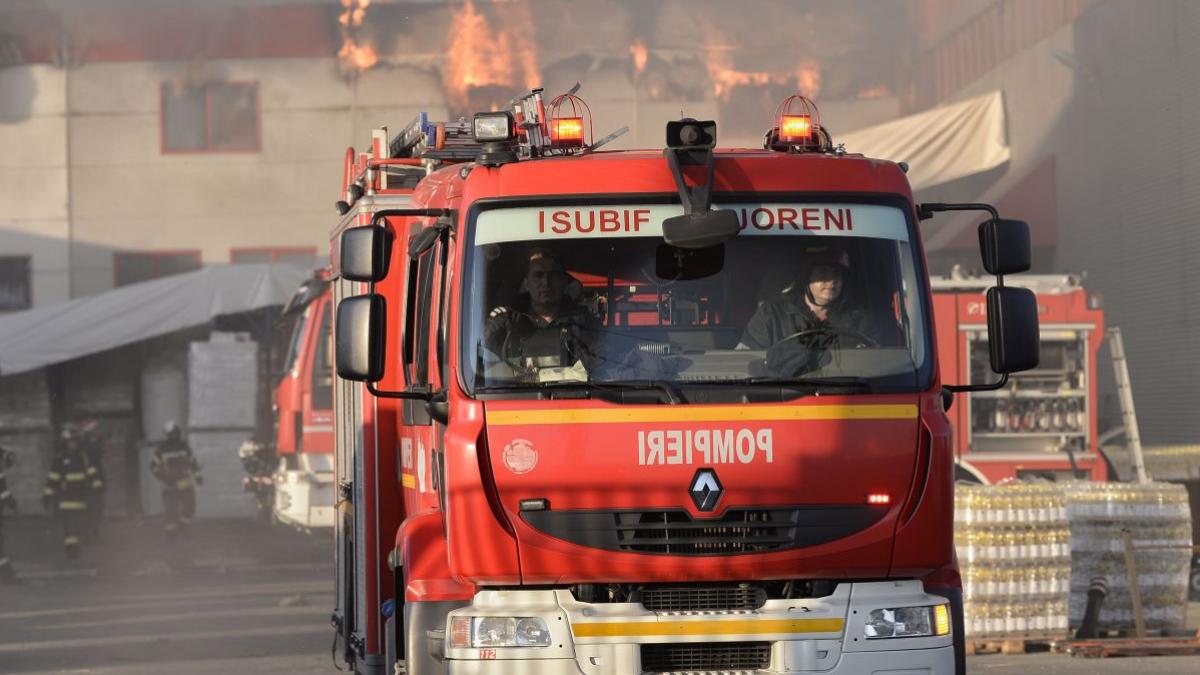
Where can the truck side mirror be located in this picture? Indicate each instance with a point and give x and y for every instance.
(1004, 246)
(365, 253)
(360, 331)
(1012, 329)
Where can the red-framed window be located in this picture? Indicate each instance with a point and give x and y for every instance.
(130, 267)
(210, 117)
(301, 256)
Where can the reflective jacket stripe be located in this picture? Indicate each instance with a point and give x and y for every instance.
(72, 506)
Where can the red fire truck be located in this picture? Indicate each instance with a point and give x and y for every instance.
(1043, 423)
(292, 477)
(579, 429)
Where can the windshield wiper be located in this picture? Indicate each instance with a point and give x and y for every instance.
(672, 394)
(849, 382)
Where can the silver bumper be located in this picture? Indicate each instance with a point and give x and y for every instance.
(810, 635)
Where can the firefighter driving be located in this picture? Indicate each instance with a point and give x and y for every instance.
(645, 411)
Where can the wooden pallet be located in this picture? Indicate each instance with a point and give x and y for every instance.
(1130, 647)
(1012, 643)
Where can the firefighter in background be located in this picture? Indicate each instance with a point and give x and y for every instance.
(93, 447)
(69, 487)
(7, 501)
(175, 467)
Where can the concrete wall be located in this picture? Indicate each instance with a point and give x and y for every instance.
(128, 194)
(33, 175)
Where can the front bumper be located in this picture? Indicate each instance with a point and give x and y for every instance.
(806, 635)
(304, 499)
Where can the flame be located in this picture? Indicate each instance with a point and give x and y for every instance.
(360, 57)
(808, 78)
(725, 77)
(640, 55)
(353, 55)
(878, 91)
(480, 56)
(519, 18)
(807, 75)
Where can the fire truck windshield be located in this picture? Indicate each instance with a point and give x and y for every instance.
(810, 294)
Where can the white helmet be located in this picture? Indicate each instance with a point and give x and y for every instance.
(170, 427)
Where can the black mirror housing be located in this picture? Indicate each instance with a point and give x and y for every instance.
(685, 264)
(1004, 246)
(1013, 333)
(365, 253)
(360, 330)
(422, 241)
(701, 229)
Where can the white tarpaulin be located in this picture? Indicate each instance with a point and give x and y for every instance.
(44, 336)
(941, 144)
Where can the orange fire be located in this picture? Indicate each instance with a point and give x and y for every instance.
(640, 55)
(725, 77)
(355, 54)
(878, 91)
(360, 57)
(353, 12)
(806, 77)
(480, 56)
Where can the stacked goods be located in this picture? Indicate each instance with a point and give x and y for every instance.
(1014, 557)
(1159, 521)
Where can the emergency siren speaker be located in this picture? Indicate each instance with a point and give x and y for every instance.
(690, 133)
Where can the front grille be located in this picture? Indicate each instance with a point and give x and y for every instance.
(711, 656)
(676, 532)
(683, 599)
(738, 531)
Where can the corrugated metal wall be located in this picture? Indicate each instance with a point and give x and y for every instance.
(1129, 197)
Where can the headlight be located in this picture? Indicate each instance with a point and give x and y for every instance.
(898, 622)
(499, 631)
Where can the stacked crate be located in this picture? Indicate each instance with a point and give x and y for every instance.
(1158, 519)
(1015, 559)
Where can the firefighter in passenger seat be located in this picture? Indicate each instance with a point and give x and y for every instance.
(809, 317)
(68, 490)
(546, 327)
(175, 467)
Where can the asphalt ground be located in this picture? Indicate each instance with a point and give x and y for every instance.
(246, 597)
(234, 596)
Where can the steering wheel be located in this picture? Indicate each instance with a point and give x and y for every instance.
(835, 330)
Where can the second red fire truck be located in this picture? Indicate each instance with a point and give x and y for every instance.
(578, 429)
(1043, 423)
(291, 475)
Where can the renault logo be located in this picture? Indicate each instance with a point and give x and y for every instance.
(705, 490)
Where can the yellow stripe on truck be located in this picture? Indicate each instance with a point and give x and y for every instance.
(901, 411)
(408, 480)
(680, 628)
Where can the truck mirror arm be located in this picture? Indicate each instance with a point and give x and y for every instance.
(990, 386)
(436, 402)
(1005, 260)
(388, 394)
